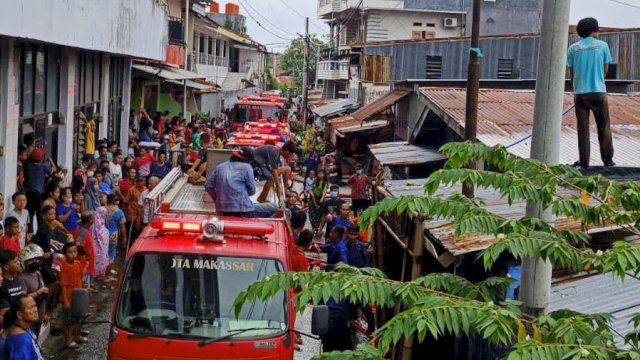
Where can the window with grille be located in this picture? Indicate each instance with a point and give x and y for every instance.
(505, 68)
(434, 67)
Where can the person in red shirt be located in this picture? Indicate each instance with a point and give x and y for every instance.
(70, 278)
(125, 185)
(299, 260)
(360, 184)
(85, 247)
(11, 239)
(300, 263)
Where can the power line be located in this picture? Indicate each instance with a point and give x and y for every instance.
(264, 28)
(302, 16)
(248, 3)
(626, 4)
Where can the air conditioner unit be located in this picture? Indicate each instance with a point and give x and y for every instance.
(450, 22)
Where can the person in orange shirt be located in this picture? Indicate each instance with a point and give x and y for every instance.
(70, 278)
(11, 239)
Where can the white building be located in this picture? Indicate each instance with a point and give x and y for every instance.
(356, 23)
(63, 61)
(225, 57)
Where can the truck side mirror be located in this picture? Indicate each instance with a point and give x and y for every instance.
(320, 320)
(80, 304)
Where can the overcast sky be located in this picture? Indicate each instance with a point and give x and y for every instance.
(284, 24)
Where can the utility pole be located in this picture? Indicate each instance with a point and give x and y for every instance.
(186, 56)
(305, 72)
(315, 86)
(473, 87)
(545, 143)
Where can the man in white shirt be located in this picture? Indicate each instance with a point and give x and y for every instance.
(115, 167)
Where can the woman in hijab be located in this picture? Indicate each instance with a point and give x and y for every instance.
(100, 236)
(92, 195)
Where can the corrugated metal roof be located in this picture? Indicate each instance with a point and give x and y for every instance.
(337, 107)
(601, 293)
(379, 104)
(442, 230)
(348, 125)
(401, 153)
(506, 117)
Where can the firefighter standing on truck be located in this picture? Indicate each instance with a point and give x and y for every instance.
(232, 183)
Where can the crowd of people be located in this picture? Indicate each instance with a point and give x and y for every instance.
(65, 226)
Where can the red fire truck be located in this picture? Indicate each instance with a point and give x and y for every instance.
(181, 276)
(247, 110)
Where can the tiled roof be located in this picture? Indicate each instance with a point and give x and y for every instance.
(506, 117)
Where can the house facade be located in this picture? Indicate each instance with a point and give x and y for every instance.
(70, 63)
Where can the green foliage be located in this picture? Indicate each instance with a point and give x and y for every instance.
(292, 60)
(439, 304)
(272, 83)
(228, 23)
(203, 116)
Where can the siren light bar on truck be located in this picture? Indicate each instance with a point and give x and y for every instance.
(212, 228)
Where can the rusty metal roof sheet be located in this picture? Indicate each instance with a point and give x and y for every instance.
(379, 104)
(506, 117)
(401, 153)
(441, 230)
(337, 107)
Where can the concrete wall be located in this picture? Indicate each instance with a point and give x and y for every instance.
(213, 73)
(399, 24)
(136, 28)
(497, 18)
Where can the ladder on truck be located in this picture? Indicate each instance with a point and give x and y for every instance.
(174, 194)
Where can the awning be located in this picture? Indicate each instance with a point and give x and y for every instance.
(167, 73)
(401, 153)
(195, 85)
(379, 104)
(339, 106)
(234, 35)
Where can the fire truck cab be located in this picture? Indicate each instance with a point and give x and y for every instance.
(182, 275)
(247, 110)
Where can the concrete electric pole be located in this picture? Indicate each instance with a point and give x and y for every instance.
(473, 86)
(305, 72)
(545, 144)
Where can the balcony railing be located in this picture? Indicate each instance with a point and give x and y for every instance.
(210, 59)
(333, 70)
(328, 6)
(176, 31)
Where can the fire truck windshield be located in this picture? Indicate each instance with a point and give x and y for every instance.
(191, 296)
(250, 113)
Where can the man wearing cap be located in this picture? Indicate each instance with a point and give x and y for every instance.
(232, 183)
(35, 172)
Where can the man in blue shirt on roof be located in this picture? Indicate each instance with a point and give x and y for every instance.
(588, 61)
(231, 185)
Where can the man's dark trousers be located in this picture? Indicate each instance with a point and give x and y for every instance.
(597, 103)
